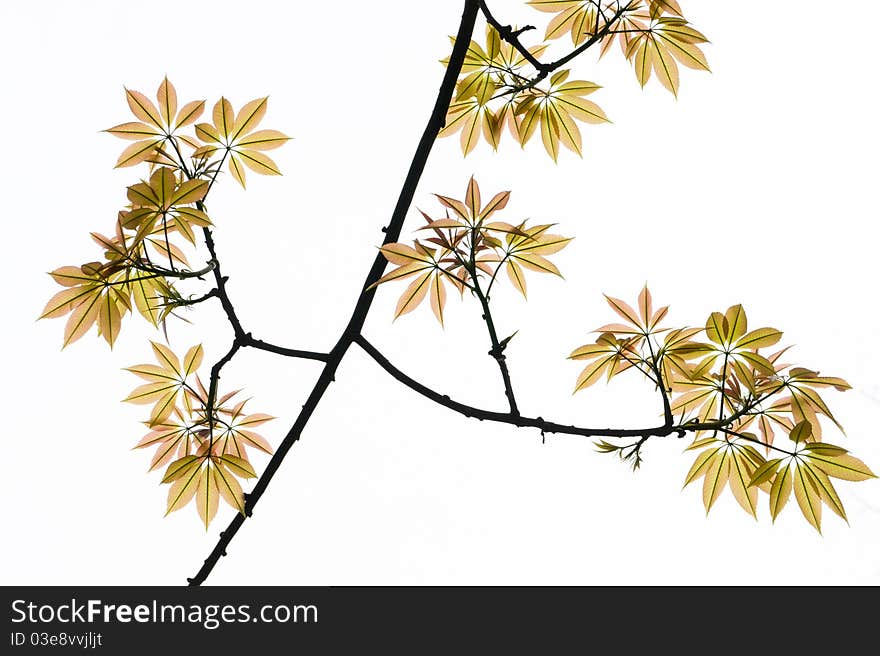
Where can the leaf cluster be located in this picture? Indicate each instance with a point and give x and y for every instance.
(500, 86)
(467, 251)
(202, 442)
(733, 391)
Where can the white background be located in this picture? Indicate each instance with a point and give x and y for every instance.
(756, 186)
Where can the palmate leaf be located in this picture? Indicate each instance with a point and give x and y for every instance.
(155, 125)
(554, 112)
(165, 381)
(666, 43)
(235, 134)
(467, 243)
(200, 468)
(163, 203)
(807, 496)
(92, 298)
(732, 464)
(576, 18)
(480, 108)
(609, 355)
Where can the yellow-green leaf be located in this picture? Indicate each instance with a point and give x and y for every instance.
(807, 498)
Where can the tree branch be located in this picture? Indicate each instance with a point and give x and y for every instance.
(505, 417)
(512, 37)
(280, 350)
(497, 350)
(435, 123)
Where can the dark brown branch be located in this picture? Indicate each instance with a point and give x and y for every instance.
(661, 384)
(280, 350)
(220, 280)
(176, 273)
(212, 389)
(497, 350)
(505, 417)
(201, 299)
(507, 33)
(512, 37)
(435, 123)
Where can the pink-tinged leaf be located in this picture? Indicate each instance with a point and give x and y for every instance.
(413, 295)
(165, 452)
(255, 419)
(455, 205)
(166, 358)
(443, 223)
(167, 97)
(109, 319)
(134, 131)
(81, 319)
(207, 496)
(183, 490)
(65, 300)
(151, 392)
(402, 254)
(143, 108)
(470, 132)
(68, 276)
(229, 488)
(224, 118)
(618, 328)
(496, 203)
(517, 277)
(137, 153)
(624, 310)
(262, 140)
(646, 306)
(438, 297)
(189, 113)
(658, 316)
(472, 197)
(402, 272)
(253, 439)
